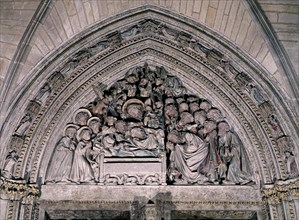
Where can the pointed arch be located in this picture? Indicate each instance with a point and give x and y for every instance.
(208, 64)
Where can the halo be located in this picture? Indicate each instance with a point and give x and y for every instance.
(80, 131)
(81, 110)
(93, 119)
(76, 127)
(131, 101)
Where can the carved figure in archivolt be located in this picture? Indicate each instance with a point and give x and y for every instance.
(31, 112)
(290, 160)
(43, 94)
(255, 93)
(9, 164)
(149, 114)
(275, 126)
(24, 124)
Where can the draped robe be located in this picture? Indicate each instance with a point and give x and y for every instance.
(190, 158)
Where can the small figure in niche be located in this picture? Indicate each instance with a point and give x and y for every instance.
(24, 125)
(255, 93)
(275, 125)
(290, 160)
(9, 164)
(43, 94)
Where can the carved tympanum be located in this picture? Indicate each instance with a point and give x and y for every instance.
(150, 114)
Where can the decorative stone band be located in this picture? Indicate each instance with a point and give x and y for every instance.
(282, 191)
(19, 190)
(206, 202)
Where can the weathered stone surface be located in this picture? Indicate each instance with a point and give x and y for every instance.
(135, 118)
(129, 193)
(260, 106)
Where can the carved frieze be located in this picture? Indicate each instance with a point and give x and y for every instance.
(18, 189)
(282, 191)
(126, 179)
(210, 214)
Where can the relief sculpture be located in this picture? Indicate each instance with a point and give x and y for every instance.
(63, 157)
(147, 116)
(9, 164)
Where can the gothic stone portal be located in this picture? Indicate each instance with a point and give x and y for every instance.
(147, 129)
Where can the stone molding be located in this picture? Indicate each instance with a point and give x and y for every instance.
(156, 10)
(211, 202)
(283, 61)
(164, 198)
(221, 82)
(205, 61)
(23, 47)
(219, 78)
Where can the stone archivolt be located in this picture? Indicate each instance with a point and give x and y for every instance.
(210, 57)
(27, 145)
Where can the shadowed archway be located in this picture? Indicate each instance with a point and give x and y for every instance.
(208, 65)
